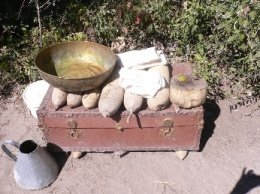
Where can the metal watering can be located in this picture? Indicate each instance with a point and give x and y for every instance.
(34, 167)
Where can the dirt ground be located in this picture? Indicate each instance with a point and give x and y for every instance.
(228, 162)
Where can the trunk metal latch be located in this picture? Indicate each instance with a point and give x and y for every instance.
(167, 129)
(119, 127)
(72, 124)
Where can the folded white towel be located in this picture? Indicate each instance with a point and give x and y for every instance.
(142, 59)
(141, 82)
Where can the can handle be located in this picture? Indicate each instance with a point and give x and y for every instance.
(7, 151)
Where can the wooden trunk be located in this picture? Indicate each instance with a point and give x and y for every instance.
(87, 130)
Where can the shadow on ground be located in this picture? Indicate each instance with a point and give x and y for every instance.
(211, 113)
(58, 154)
(247, 181)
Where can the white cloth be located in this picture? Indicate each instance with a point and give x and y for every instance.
(141, 82)
(142, 59)
(34, 94)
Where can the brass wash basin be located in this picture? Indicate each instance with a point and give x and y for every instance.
(75, 66)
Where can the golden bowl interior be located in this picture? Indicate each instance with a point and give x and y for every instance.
(75, 66)
(75, 60)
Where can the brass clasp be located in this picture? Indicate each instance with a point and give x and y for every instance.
(119, 127)
(74, 134)
(167, 129)
(72, 124)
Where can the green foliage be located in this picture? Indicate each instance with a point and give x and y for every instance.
(220, 37)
